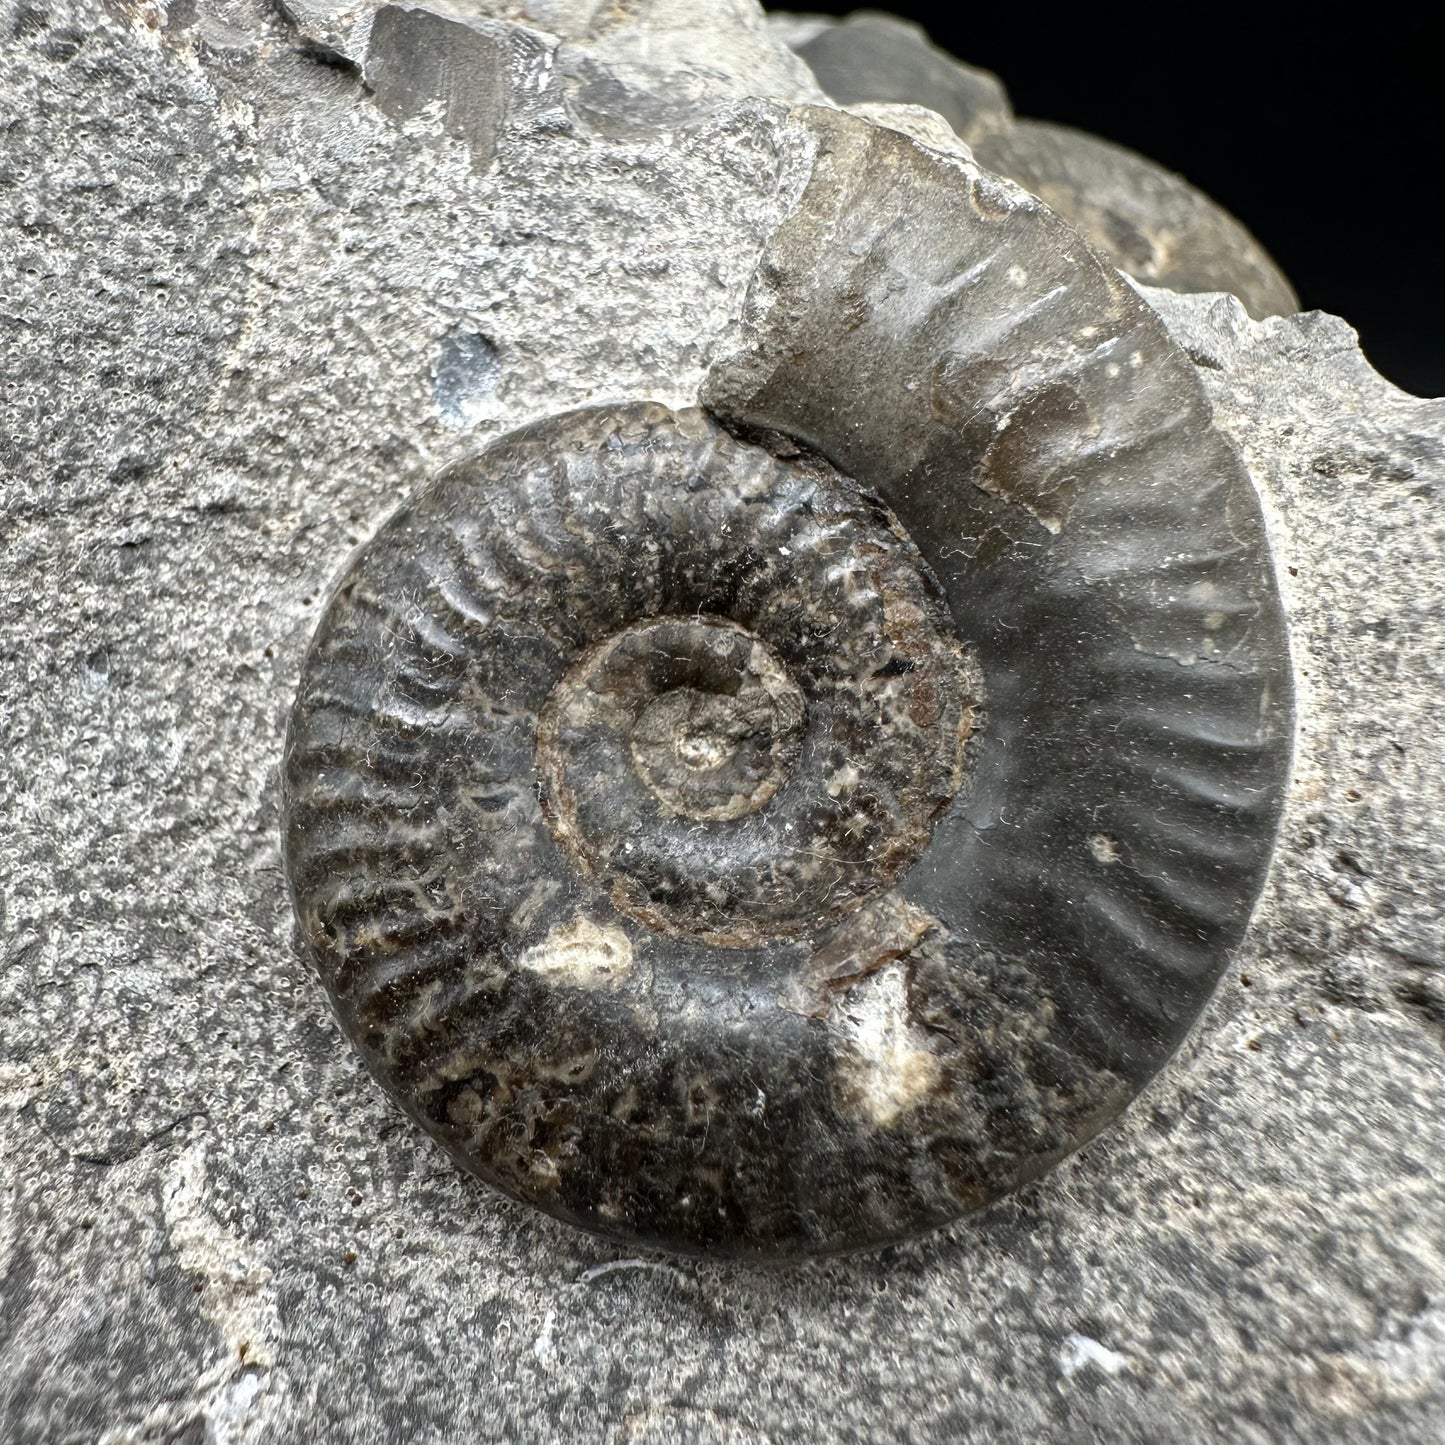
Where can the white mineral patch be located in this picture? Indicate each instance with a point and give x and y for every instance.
(236, 1288)
(237, 1397)
(1079, 1352)
(281, 387)
(887, 1069)
(581, 953)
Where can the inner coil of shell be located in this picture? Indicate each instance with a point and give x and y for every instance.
(776, 709)
(726, 855)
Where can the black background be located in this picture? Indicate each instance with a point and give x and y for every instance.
(1322, 130)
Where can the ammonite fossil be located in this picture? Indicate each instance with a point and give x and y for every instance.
(785, 824)
(1149, 221)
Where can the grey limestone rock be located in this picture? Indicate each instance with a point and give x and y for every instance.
(247, 312)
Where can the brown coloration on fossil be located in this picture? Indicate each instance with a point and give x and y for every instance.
(676, 721)
(1154, 225)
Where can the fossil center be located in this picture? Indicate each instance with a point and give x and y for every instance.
(717, 721)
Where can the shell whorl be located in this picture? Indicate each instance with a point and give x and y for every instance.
(1052, 455)
(724, 853)
(1150, 222)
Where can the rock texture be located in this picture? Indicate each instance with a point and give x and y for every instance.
(247, 310)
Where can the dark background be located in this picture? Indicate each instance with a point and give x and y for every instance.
(1324, 135)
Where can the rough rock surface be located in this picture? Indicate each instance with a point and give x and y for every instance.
(246, 310)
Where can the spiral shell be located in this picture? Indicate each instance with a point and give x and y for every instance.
(783, 827)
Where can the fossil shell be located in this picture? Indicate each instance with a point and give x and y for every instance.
(1152, 223)
(869, 57)
(726, 854)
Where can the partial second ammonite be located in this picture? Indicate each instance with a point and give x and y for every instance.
(778, 849)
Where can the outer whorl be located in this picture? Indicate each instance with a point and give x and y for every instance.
(725, 854)
(1149, 221)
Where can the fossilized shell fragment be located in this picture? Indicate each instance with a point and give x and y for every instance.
(1152, 223)
(874, 57)
(775, 849)
(1051, 454)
